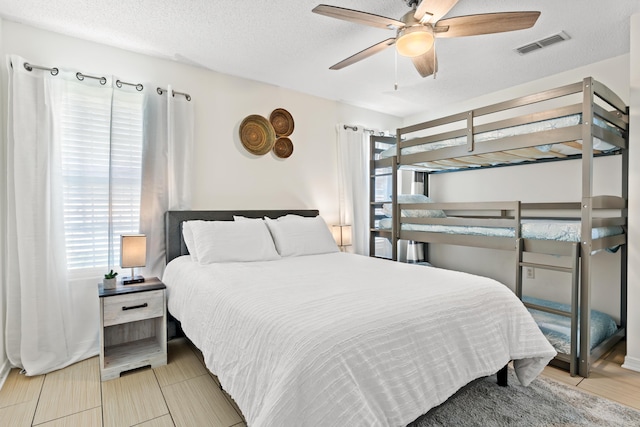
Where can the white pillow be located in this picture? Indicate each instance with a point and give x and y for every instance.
(232, 241)
(244, 218)
(387, 208)
(295, 236)
(187, 236)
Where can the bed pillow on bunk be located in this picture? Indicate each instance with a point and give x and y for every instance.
(297, 236)
(232, 241)
(387, 208)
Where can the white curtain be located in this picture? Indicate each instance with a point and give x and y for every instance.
(43, 330)
(166, 183)
(51, 311)
(353, 184)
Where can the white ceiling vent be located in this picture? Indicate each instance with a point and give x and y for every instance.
(539, 44)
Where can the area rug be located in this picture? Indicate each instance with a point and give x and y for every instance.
(545, 402)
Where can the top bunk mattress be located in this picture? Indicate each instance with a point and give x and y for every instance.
(539, 152)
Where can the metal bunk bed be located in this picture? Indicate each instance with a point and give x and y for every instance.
(472, 140)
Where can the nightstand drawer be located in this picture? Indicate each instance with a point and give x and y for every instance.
(132, 307)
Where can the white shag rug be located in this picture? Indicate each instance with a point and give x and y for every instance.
(545, 402)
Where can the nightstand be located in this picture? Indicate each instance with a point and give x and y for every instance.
(133, 327)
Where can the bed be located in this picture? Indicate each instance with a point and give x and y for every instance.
(582, 121)
(335, 339)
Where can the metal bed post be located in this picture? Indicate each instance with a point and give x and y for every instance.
(519, 260)
(586, 220)
(427, 188)
(372, 193)
(623, 250)
(575, 287)
(519, 249)
(395, 227)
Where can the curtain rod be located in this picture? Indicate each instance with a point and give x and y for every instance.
(371, 131)
(80, 76)
(174, 93)
(54, 71)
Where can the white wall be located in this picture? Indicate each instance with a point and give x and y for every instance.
(224, 174)
(632, 360)
(559, 181)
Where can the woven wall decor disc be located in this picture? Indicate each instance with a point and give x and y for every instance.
(282, 122)
(257, 134)
(283, 147)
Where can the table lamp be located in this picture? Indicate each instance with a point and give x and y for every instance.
(342, 235)
(133, 253)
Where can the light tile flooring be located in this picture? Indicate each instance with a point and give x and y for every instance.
(183, 393)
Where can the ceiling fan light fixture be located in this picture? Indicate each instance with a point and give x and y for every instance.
(414, 41)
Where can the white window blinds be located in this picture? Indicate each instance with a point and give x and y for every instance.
(101, 134)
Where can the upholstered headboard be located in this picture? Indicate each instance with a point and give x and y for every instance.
(173, 224)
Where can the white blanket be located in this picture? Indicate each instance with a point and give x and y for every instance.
(347, 340)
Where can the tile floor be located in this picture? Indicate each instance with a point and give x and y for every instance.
(184, 393)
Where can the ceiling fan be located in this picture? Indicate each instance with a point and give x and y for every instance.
(416, 30)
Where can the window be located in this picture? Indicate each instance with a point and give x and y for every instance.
(101, 138)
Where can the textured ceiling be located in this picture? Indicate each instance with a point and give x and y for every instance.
(282, 43)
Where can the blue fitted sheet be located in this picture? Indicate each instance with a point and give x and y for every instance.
(557, 328)
(559, 230)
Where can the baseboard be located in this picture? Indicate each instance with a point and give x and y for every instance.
(4, 372)
(632, 363)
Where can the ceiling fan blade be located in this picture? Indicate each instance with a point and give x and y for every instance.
(427, 63)
(487, 23)
(371, 50)
(357, 17)
(436, 8)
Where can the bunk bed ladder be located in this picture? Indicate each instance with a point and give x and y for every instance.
(575, 314)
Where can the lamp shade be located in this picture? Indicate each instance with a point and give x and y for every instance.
(414, 41)
(342, 234)
(133, 250)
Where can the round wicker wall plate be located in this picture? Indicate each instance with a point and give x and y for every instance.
(281, 121)
(257, 134)
(283, 147)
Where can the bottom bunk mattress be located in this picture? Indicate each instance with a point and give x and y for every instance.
(558, 230)
(340, 339)
(557, 328)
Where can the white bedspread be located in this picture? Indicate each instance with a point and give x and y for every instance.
(347, 340)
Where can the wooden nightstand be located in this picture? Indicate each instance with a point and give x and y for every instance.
(133, 327)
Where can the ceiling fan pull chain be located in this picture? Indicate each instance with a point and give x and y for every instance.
(395, 55)
(435, 65)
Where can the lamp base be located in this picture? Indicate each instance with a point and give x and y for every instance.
(131, 280)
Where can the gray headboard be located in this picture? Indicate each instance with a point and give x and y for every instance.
(173, 224)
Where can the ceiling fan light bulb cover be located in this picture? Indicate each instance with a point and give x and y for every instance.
(414, 41)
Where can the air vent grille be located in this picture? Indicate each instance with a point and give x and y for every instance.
(539, 44)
